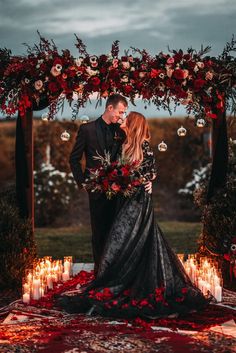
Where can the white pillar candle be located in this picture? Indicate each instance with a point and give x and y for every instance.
(49, 281)
(26, 298)
(65, 276)
(36, 289)
(41, 291)
(66, 266)
(201, 285)
(26, 288)
(218, 293)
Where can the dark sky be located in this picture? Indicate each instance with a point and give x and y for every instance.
(142, 23)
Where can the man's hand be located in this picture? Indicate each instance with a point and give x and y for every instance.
(148, 187)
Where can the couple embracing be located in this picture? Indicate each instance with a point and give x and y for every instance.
(137, 274)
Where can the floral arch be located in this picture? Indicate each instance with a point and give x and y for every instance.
(205, 85)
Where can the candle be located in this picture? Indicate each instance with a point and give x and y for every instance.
(66, 266)
(26, 288)
(65, 276)
(26, 298)
(218, 293)
(41, 291)
(49, 281)
(36, 289)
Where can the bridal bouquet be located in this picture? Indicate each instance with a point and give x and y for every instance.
(112, 178)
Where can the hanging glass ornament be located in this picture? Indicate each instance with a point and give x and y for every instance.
(45, 116)
(162, 147)
(201, 122)
(65, 136)
(84, 119)
(181, 131)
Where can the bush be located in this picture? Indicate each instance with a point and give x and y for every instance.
(54, 191)
(219, 215)
(17, 246)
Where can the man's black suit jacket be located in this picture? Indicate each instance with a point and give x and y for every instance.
(90, 140)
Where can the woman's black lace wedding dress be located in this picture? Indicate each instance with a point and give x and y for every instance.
(139, 275)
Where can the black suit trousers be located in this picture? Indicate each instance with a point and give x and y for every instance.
(102, 213)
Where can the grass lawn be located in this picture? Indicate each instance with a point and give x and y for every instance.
(76, 241)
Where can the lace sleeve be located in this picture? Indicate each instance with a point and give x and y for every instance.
(148, 166)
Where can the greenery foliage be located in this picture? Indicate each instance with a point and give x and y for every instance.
(219, 215)
(17, 245)
(54, 191)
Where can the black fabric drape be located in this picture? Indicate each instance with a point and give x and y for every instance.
(219, 155)
(21, 165)
(22, 179)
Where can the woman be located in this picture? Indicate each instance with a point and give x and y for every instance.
(139, 275)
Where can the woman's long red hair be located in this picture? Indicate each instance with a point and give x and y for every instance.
(137, 131)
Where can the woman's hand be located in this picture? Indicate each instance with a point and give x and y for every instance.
(148, 187)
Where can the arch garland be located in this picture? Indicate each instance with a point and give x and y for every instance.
(205, 85)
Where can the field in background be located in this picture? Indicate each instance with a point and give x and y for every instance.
(76, 241)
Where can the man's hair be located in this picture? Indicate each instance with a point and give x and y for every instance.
(116, 98)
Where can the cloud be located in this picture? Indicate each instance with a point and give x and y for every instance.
(143, 23)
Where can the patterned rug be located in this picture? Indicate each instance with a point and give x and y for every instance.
(41, 327)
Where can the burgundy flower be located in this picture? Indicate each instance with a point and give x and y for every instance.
(127, 89)
(198, 84)
(179, 74)
(170, 83)
(95, 81)
(57, 61)
(103, 58)
(211, 115)
(53, 87)
(154, 73)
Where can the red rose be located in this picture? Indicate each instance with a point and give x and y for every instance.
(198, 84)
(154, 73)
(114, 74)
(104, 86)
(115, 187)
(53, 87)
(127, 89)
(179, 74)
(136, 182)
(103, 70)
(178, 56)
(103, 58)
(125, 171)
(95, 81)
(57, 61)
(146, 93)
(105, 184)
(211, 115)
(170, 83)
(143, 302)
(139, 85)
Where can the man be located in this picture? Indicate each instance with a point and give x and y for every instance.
(103, 134)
